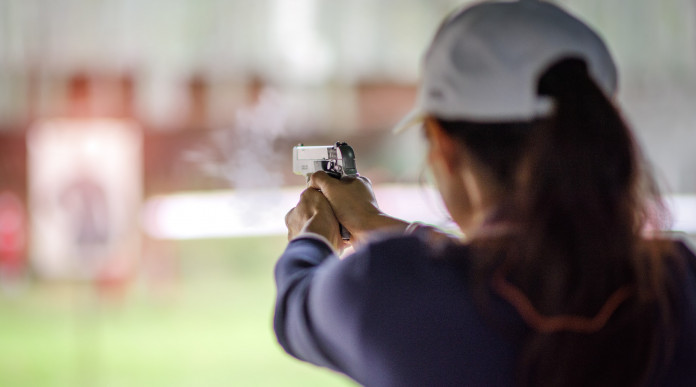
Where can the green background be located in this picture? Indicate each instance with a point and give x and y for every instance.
(207, 323)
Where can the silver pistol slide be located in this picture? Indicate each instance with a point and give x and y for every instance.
(336, 160)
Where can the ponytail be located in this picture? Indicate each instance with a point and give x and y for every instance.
(577, 179)
(579, 203)
(575, 198)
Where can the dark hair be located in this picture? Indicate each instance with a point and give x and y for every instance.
(579, 198)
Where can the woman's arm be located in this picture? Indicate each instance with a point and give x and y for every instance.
(293, 324)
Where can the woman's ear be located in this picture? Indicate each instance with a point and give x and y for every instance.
(443, 146)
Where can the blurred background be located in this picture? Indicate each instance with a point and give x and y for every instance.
(145, 165)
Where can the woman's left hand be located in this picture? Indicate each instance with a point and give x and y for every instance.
(313, 214)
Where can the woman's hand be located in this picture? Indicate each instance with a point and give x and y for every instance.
(354, 204)
(313, 214)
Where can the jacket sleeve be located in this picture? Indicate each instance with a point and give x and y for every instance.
(317, 304)
(325, 305)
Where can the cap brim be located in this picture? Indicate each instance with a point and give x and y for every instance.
(413, 118)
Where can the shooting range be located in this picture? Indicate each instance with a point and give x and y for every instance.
(146, 166)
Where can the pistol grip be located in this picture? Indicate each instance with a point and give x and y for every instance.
(345, 234)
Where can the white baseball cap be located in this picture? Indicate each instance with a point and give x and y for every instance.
(485, 61)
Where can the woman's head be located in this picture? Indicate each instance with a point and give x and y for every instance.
(497, 70)
(482, 71)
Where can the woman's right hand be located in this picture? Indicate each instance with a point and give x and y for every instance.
(355, 205)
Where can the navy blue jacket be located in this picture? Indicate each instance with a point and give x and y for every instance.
(395, 313)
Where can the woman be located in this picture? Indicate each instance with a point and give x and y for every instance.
(555, 282)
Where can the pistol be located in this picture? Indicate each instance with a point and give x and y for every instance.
(336, 160)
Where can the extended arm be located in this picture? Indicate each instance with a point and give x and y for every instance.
(317, 305)
(292, 323)
(320, 306)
